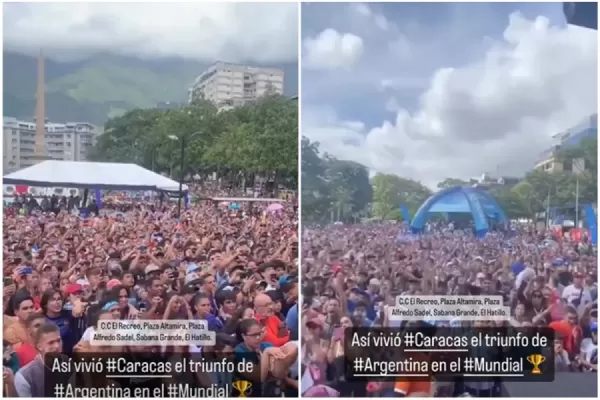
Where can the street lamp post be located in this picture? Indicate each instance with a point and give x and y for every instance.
(181, 176)
(171, 156)
(183, 139)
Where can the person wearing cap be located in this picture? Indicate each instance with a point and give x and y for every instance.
(152, 271)
(576, 293)
(166, 263)
(27, 280)
(73, 293)
(268, 274)
(189, 291)
(361, 299)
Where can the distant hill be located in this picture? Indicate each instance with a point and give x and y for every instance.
(103, 86)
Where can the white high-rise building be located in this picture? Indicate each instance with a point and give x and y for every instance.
(69, 142)
(231, 85)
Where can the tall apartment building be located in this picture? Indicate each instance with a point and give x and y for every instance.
(231, 85)
(69, 142)
(547, 160)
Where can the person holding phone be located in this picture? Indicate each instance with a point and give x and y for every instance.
(71, 323)
(160, 265)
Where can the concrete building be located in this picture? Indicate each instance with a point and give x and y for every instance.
(69, 142)
(547, 160)
(231, 85)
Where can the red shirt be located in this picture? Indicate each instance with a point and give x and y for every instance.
(272, 326)
(26, 353)
(571, 335)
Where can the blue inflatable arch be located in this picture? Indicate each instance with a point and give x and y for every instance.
(478, 202)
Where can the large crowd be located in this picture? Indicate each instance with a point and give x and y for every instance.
(235, 267)
(352, 274)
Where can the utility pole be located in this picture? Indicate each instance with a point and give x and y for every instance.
(181, 175)
(548, 210)
(577, 201)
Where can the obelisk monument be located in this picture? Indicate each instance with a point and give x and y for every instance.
(40, 118)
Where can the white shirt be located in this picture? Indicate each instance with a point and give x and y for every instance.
(589, 349)
(88, 334)
(571, 293)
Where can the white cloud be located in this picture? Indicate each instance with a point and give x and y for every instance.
(495, 114)
(361, 9)
(392, 105)
(332, 50)
(263, 33)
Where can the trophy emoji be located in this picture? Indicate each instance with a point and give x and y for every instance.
(242, 387)
(536, 360)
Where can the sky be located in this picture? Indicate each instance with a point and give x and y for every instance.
(435, 90)
(243, 32)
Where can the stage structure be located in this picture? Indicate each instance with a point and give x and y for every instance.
(462, 199)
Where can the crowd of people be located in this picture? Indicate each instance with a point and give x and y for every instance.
(351, 274)
(235, 268)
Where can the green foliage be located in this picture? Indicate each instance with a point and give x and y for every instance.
(530, 196)
(95, 90)
(112, 83)
(451, 182)
(584, 159)
(332, 188)
(390, 191)
(102, 87)
(259, 138)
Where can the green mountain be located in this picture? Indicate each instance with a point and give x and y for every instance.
(104, 86)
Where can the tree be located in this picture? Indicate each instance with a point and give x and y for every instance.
(451, 182)
(390, 191)
(260, 138)
(316, 200)
(128, 138)
(583, 160)
(582, 157)
(513, 202)
(349, 186)
(332, 189)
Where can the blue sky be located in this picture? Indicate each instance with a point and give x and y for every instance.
(429, 90)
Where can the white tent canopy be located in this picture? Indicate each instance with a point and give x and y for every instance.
(92, 175)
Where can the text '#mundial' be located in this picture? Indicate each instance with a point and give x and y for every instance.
(445, 354)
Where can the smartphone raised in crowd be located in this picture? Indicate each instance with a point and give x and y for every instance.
(338, 333)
